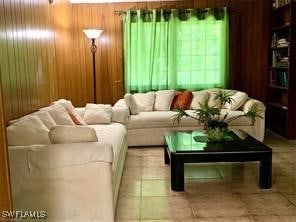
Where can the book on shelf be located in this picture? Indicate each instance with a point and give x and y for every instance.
(279, 79)
(280, 3)
(280, 59)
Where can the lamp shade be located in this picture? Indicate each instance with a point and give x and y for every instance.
(92, 33)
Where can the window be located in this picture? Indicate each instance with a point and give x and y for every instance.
(164, 54)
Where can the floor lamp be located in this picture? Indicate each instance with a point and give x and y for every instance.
(93, 34)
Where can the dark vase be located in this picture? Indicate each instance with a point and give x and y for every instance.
(216, 130)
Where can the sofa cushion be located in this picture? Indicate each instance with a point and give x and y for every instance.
(120, 115)
(59, 114)
(97, 114)
(238, 100)
(56, 156)
(42, 115)
(158, 119)
(161, 119)
(145, 101)
(74, 115)
(131, 103)
(72, 134)
(182, 100)
(164, 100)
(212, 94)
(199, 98)
(27, 131)
(45, 118)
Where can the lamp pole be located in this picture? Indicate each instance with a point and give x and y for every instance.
(93, 49)
(93, 34)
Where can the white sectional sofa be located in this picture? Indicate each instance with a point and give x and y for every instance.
(148, 127)
(70, 181)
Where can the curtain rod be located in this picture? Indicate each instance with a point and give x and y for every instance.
(123, 12)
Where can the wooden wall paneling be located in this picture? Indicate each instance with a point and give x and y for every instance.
(112, 52)
(51, 55)
(74, 75)
(5, 189)
(33, 49)
(86, 91)
(118, 62)
(19, 49)
(43, 70)
(12, 60)
(104, 84)
(88, 57)
(109, 49)
(31, 55)
(25, 72)
(60, 23)
(200, 4)
(77, 41)
(6, 83)
(188, 4)
(234, 42)
(76, 55)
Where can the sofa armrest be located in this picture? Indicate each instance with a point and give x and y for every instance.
(121, 103)
(53, 156)
(259, 126)
(250, 103)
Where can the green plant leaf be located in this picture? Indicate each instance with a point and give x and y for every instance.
(224, 96)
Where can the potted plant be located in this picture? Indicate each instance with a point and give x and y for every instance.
(215, 123)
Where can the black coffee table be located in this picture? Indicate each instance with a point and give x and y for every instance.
(187, 147)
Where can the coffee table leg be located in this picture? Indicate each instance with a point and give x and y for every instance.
(265, 180)
(166, 156)
(177, 174)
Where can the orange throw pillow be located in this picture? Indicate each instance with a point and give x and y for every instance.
(182, 100)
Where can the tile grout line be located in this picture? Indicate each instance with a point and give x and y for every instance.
(242, 204)
(141, 185)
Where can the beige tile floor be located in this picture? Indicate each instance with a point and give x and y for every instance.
(223, 192)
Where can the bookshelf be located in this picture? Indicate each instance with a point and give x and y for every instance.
(281, 86)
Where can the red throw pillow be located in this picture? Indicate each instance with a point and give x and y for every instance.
(182, 100)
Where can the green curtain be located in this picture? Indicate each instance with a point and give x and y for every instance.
(165, 51)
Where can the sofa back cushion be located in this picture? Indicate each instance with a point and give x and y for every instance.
(42, 115)
(164, 100)
(238, 100)
(131, 103)
(120, 115)
(200, 98)
(182, 100)
(212, 102)
(70, 109)
(59, 114)
(97, 114)
(72, 134)
(145, 101)
(27, 131)
(45, 118)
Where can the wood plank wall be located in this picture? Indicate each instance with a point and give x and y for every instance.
(44, 54)
(5, 190)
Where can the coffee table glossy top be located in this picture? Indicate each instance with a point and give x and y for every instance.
(194, 141)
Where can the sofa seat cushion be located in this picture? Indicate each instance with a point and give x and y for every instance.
(113, 134)
(160, 119)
